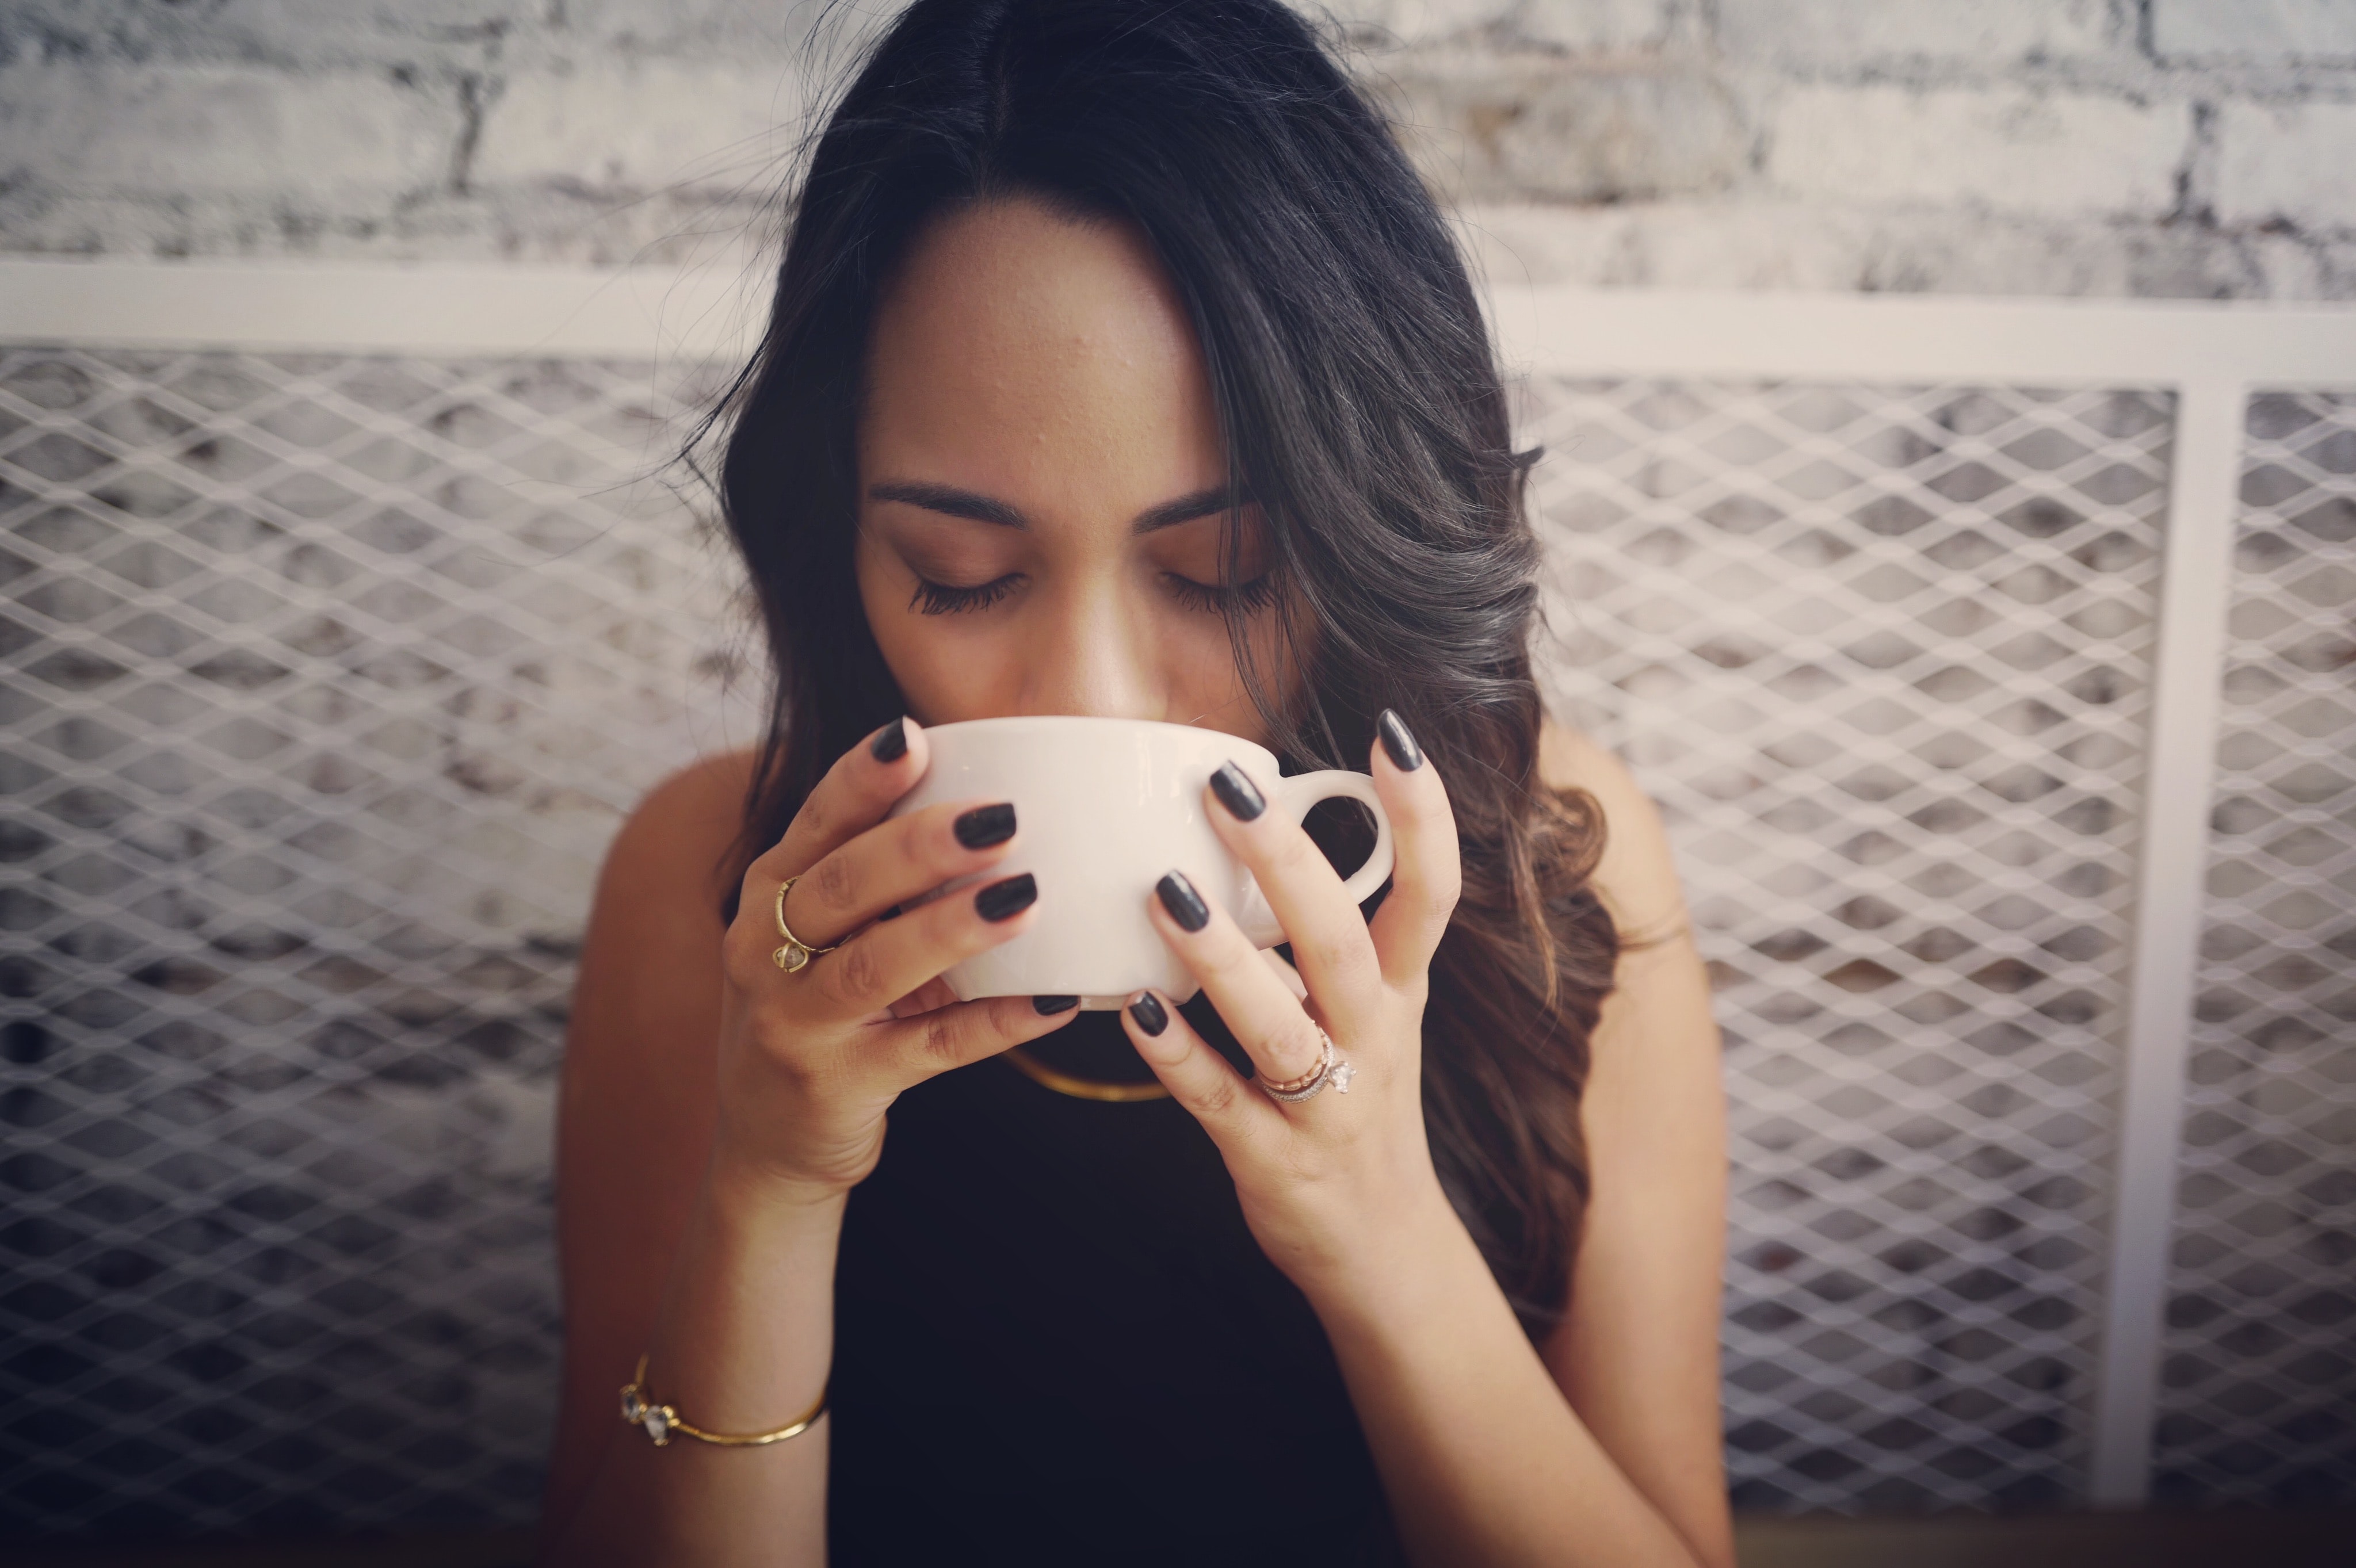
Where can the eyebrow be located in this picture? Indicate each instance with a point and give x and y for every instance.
(950, 501)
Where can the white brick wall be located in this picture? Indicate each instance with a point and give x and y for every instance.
(210, 131)
(637, 124)
(1989, 32)
(2278, 31)
(2199, 147)
(1583, 26)
(2005, 149)
(2286, 166)
(1593, 24)
(1564, 136)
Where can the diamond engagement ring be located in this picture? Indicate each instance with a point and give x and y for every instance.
(796, 953)
(1331, 1069)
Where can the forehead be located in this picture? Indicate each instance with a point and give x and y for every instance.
(1027, 354)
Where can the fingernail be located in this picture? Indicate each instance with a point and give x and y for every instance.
(1184, 904)
(985, 826)
(1002, 901)
(1048, 1007)
(1405, 755)
(1237, 794)
(891, 743)
(1147, 1011)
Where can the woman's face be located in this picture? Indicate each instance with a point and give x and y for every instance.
(1042, 484)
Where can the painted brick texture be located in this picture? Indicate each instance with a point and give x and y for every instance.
(1990, 33)
(2287, 164)
(202, 130)
(2158, 147)
(1999, 149)
(2283, 32)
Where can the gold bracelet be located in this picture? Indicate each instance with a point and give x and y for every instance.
(638, 1409)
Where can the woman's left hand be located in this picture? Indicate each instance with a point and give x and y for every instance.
(1336, 1186)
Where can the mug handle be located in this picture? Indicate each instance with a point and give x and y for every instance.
(1294, 797)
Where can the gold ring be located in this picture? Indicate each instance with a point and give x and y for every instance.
(1332, 1068)
(796, 953)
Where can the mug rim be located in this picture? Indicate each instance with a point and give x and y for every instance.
(1019, 721)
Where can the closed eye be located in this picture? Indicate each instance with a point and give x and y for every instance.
(944, 599)
(1214, 599)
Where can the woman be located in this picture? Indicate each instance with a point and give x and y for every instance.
(1119, 365)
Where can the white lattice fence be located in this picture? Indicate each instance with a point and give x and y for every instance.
(328, 678)
(328, 674)
(2259, 1397)
(1883, 656)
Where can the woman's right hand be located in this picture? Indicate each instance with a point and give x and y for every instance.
(811, 1061)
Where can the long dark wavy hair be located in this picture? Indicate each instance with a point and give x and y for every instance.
(1361, 408)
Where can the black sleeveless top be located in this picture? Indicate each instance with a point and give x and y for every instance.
(1055, 1342)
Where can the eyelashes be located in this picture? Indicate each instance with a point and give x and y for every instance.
(1246, 598)
(939, 599)
(1243, 599)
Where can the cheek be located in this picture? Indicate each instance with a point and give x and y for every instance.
(1202, 682)
(1275, 658)
(948, 666)
(883, 595)
(1192, 647)
(878, 594)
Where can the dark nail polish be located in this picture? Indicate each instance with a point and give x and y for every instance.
(1405, 755)
(985, 826)
(891, 743)
(1148, 1012)
(1184, 904)
(1002, 901)
(1048, 1007)
(1237, 792)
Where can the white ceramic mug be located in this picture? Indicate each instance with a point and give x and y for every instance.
(1105, 806)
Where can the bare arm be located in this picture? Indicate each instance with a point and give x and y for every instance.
(634, 1154)
(639, 1065)
(1602, 1448)
(1638, 1354)
(716, 1113)
(1495, 1454)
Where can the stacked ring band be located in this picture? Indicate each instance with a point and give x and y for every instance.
(1331, 1069)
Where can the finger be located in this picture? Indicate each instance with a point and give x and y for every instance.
(1285, 973)
(851, 798)
(1281, 1040)
(893, 862)
(964, 1032)
(1197, 1077)
(1427, 875)
(1330, 948)
(933, 993)
(891, 958)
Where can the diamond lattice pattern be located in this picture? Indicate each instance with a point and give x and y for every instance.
(2258, 1397)
(329, 677)
(1882, 657)
(327, 680)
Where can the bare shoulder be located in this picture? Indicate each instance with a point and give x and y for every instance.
(673, 842)
(645, 1006)
(1637, 1354)
(1637, 876)
(639, 1092)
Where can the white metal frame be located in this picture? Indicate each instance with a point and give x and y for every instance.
(2208, 355)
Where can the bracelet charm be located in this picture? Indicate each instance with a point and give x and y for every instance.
(659, 1421)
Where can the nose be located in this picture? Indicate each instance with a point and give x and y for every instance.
(1089, 655)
